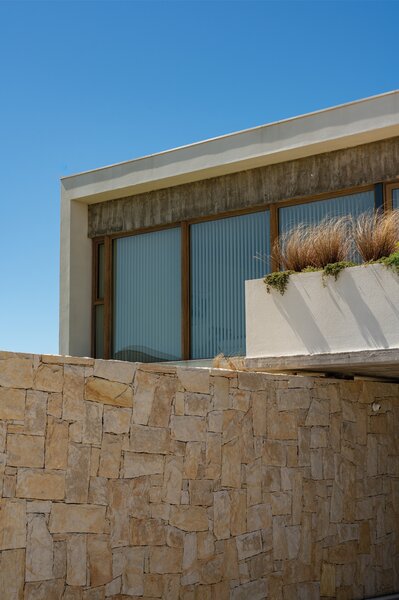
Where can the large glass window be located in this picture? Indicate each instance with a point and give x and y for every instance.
(395, 198)
(224, 253)
(310, 213)
(147, 296)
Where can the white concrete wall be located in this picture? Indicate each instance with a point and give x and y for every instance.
(75, 280)
(359, 311)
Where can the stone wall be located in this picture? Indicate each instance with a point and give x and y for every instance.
(135, 481)
(322, 173)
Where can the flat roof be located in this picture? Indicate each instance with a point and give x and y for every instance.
(347, 125)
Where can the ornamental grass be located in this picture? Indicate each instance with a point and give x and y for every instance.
(376, 235)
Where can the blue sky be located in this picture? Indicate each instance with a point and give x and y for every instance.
(85, 84)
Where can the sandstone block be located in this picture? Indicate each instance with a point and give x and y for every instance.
(116, 419)
(249, 544)
(188, 429)
(12, 404)
(259, 517)
(115, 370)
(100, 559)
(318, 413)
(205, 545)
(220, 392)
(153, 440)
(108, 392)
(12, 574)
(39, 550)
(147, 532)
(165, 560)
(293, 399)
(110, 457)
(238, 512)
(137, 465)
(144, 391)
(40, 484)
(49, 378)
(189, 518)
(281, 503)
(44, 590)
(98, 490)
(16, 372)
(197, 404)
(38, 506)
(240, 400)
(192, 459)
(162, 403)
(35, 415)
(54, 405)
(255, 590)
(77, 518)
(25, 450)
(221, 515)
(56, 444)
(282, 425)
(92, 423)
(133, 572)
(76, 560)
(231, 464)
(201, 492)
(153, 585)
(259, 413)
(194, 380)
(78, 473)
(213, 456)
(73, 409)
(173, 478)
(12, 524)
(327, 581)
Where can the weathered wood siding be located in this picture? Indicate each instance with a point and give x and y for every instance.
(330, 172)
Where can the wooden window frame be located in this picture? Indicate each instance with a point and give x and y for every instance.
(273, 209)
(388, 195)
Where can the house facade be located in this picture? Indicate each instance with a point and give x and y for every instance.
(155, 251)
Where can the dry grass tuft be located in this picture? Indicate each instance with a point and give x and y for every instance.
(376, 235)
(314, 245)
(233, 363)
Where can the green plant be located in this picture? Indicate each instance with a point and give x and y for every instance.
(391, 261)
(278, 280)
(334, 269)
(376, 235)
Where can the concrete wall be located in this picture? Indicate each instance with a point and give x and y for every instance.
(135, 481)
(330, 172)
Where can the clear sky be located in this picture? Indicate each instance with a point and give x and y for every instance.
(86, 84)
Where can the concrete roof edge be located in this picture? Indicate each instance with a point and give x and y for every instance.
(232, 134)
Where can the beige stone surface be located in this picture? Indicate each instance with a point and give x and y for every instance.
(25, 450)
(49, 378)
(189, 518)
(188, 429)
(76, 553)
(40, 484)
(39, 550)
(209, 484)
(16, 372)
(56, 452)
(108, 392)
(138, 465)
(12, 404)
(77, 518)
(117, 420)
(12, 524)
(12, 574)
(100, 559)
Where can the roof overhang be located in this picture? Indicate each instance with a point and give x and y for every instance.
(343, 126)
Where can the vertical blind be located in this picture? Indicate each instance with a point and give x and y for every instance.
(395, 198)
(223, 254)
(310, 213)
(147, 296)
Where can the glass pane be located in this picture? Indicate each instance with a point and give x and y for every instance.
(395, 198)
(310, 213)
(99, 330)
(147, 297)
(100, 278)
(224, 253)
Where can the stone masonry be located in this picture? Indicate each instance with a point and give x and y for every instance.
(128, 481)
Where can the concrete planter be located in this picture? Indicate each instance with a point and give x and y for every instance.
(359, 311)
